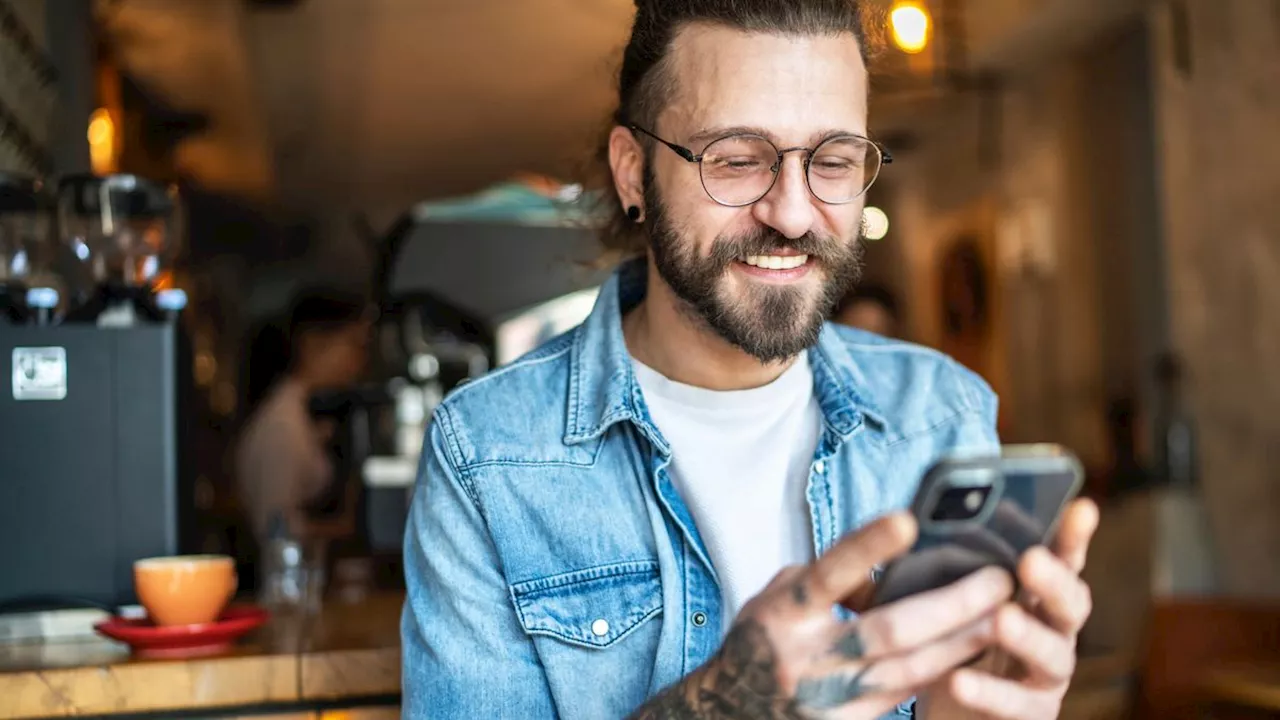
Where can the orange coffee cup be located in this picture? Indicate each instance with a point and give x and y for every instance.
(185, 589)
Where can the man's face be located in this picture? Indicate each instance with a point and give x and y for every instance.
(722, 262)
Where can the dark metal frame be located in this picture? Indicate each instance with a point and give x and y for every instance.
(885, 158)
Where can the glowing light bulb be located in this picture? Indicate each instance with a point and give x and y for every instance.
(910, 23)
(875, 223)
(102, 142)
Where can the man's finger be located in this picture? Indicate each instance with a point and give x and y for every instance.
(1075, 532)
(859, 600)
(840, 682)
(913, 621)
(996, 697)
(1064, 599)
(1047, 654)
(846, 567)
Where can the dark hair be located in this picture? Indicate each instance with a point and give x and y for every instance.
(273, 349)
(645, 84)
(877, 294)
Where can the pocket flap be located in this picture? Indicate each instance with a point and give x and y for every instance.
(595, 607)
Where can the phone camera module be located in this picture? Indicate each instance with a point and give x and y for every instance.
(958, 504)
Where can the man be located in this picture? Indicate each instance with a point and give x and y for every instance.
(871, 308)
(648, 515)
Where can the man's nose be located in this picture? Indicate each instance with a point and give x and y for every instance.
(788, 206)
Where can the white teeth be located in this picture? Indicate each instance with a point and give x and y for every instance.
(776, 262)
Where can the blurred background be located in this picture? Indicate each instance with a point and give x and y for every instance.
(1082, 208)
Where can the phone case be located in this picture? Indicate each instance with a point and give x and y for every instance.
(1023, 490)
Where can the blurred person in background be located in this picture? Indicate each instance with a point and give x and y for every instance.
(283, 464)
(666, 512)
(870, 307)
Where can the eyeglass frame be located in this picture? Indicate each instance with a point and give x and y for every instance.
(886, 158)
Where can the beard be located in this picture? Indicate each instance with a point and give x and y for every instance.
(767, 321)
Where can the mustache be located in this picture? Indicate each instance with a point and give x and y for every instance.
(765, 240)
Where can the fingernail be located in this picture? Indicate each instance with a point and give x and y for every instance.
(992, 572)
(997, 575)
(1036, 558)
(1011, 621)
(964, 686)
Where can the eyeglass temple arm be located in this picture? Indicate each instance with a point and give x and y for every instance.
(680, 150)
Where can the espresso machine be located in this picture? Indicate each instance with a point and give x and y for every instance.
(96, 468)
(452, 294)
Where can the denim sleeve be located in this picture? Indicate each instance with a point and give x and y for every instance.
(986, 406)
(464, 652)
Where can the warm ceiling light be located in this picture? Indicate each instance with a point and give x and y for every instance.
(910, 23)
(875, 223)
(102, 142)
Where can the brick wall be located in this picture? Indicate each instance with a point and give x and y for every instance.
(1218, 100)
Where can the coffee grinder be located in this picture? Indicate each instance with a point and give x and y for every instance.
(97, 466)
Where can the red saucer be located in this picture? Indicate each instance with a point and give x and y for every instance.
(150, 640)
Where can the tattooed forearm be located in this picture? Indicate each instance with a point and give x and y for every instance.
(741, 684)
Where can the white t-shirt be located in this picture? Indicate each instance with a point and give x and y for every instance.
(281, 462)
(741, 460)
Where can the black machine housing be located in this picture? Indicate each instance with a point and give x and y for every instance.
(101, 476)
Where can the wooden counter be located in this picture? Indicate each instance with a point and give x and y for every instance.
(1254, 686)
(347, 656)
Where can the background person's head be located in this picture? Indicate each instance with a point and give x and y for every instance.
(755, 249)
(321, 342)
(328, 338)
(872, 308)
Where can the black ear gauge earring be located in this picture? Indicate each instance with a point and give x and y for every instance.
(633, 213)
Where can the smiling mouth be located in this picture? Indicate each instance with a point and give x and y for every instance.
(775, 262)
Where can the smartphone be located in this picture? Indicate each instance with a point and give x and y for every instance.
(976, 511)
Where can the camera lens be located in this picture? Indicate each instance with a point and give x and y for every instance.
(958, 504)
(973, 501)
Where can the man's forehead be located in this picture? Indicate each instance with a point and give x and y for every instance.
(794, 86)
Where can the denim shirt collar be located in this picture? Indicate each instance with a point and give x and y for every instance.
(603, 389)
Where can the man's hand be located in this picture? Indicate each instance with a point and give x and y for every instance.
(787, 656)
(1027, 677)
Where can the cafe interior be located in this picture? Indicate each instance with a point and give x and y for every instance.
(1081, 208)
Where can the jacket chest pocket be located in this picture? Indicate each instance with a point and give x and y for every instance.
(596, 633)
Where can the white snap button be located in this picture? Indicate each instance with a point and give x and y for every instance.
(820, 466)
(600, 627)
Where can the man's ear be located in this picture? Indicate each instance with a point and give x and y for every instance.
(626, 161)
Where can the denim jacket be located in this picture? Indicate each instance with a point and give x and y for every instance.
(552, 568)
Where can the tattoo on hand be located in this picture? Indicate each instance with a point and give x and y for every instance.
(850, 646)
(800, 594)
(827, 693)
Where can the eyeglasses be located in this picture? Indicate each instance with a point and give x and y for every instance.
(738, 170)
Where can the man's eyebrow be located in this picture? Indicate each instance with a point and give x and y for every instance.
(715, 133)
(701, 138)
